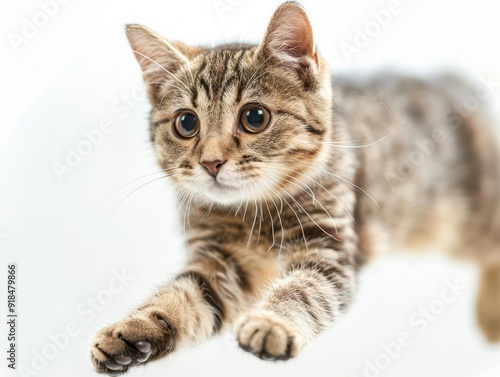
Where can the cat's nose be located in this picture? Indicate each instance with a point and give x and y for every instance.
(213, 167)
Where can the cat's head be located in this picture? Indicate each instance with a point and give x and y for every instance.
(237, 122)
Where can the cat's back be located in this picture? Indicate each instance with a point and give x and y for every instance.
(428, 152)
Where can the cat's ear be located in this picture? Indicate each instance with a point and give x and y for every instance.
(158, 58)
(289, 38)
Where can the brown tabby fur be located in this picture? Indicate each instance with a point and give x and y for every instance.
(277, 239)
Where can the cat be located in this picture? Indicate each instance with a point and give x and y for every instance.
(289, 183)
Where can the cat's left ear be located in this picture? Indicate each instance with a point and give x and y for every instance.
(289, 38)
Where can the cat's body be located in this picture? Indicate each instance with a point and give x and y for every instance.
(288, 184)
(431, 163)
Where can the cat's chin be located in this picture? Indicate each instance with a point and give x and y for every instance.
(224, 197)
(223, 194)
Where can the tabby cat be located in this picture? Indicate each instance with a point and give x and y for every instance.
(289, 183)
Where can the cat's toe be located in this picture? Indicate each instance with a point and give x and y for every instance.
(106, 360)
(123, 360)
(131, 342)
(268, 336)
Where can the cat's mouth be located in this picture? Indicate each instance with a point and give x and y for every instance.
(216, 185)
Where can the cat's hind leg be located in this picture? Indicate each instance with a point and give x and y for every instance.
(488, 302)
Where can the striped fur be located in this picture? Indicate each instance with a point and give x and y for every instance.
(277, 238)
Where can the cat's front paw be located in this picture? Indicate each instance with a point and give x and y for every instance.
(133, 341)
(268, 336)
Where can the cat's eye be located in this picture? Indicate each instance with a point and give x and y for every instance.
(187, 124)
(254, 118)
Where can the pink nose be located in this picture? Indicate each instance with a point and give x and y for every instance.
(213, 167)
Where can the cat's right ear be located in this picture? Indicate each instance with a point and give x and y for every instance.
(158, 58)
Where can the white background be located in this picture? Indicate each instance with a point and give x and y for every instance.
(67, 239)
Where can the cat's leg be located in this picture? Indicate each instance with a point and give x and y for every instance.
(314, 288)
(189, 309)
(488, 302)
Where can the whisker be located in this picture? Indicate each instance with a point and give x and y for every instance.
(307, 214)
(208, 211)
(135, 180)
(246, 207)
(172, 195)
(281, 223)
(260, 221)
(188, 209)
(360, 146)
(188, 64)
(313, 197)
(128, 195)
(241, 203)
(249, 82)
(163, 96)
(166, 70)
(335, 197)
(184, 195)
(166, 83)
(324, 188)
(270, 216)
(295, 213)
(254, 220)
(347, 141)
(341, 178)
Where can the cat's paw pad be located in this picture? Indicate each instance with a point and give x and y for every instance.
(268, 336)
(134, 341)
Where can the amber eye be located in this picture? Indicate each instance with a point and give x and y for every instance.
(187, 124)
(254, 118)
